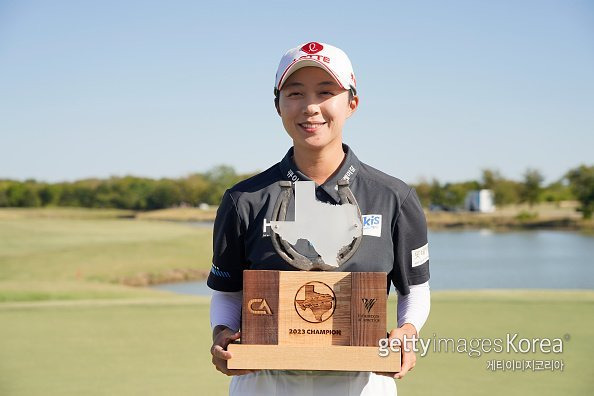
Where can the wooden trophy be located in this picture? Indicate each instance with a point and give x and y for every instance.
(314, 320)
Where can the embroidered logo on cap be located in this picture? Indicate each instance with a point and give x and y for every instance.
(312, 48)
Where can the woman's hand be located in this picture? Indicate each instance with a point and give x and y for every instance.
(408, 358)
(222, 336)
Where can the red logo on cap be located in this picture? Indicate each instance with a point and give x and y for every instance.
(312, 48)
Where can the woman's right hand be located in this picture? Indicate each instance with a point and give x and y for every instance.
(222, 336)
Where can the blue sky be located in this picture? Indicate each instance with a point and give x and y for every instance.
(163, 89)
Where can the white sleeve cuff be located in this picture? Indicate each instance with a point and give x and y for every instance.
(414, 307)
(225, 309)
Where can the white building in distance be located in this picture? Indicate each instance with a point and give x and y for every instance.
(480, 201)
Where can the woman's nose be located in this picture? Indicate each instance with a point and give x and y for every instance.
(311, 109)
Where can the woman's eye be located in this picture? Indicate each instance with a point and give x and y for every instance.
(293, 94)
(326, 93)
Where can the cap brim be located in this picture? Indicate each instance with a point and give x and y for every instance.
(305, 63)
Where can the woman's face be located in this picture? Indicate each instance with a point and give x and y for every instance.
(313, 108)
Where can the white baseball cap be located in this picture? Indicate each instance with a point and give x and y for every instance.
(321, 55)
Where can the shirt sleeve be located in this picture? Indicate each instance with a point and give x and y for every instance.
(414, 307)
(225, 309)
(411, 249)
(228, 256)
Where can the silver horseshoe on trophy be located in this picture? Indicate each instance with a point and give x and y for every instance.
(353, 227)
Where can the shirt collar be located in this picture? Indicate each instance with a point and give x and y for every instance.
(348, 170)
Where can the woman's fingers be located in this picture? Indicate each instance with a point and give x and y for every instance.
(409, 360)
(217, 351)
(220, 355)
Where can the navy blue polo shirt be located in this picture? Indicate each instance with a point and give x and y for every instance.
(394, 226)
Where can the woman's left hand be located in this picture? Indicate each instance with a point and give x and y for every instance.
(408, 356)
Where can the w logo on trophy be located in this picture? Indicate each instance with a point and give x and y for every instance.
(320, 318)
(368, 303)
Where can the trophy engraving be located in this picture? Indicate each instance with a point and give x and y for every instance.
(320, 303)
(261, 309)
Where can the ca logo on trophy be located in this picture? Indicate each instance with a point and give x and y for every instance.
(258, 306)
(316, 317)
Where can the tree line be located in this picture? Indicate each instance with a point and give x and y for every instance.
(129, 192)
(137, 193)
(576, 184)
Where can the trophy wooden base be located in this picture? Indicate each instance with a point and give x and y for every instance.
(290, 357)
(313, 320)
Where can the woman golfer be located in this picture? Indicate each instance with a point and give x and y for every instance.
(315, 94)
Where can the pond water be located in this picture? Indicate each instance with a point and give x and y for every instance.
(484, 259)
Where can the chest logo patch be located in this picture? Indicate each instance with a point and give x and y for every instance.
(372, 225)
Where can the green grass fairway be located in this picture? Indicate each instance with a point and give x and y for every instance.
(492, 314)
(118, 348)
(57, 258)
(161, 347)
(64, 213)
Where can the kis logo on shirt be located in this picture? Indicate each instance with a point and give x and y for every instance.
(371, 220)
(372, 225)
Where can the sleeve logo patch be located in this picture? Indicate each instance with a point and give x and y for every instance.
(372, 225)
(420, 255)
